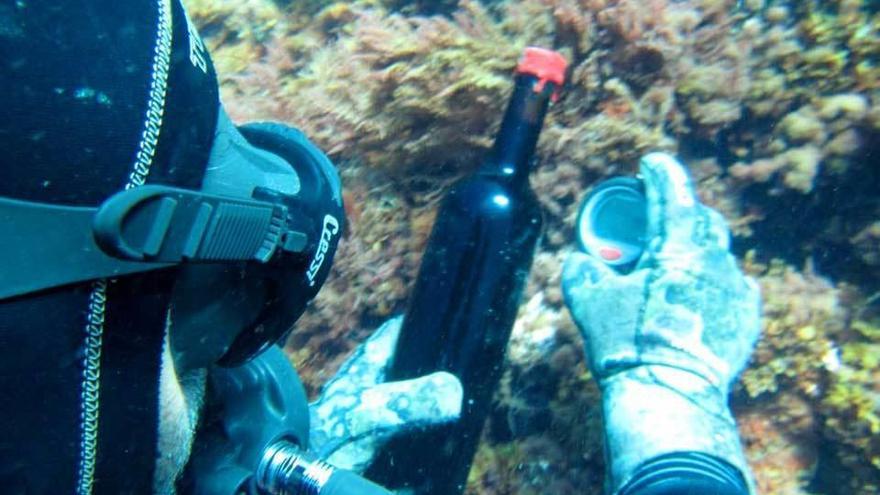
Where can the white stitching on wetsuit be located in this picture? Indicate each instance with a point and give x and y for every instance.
(90, 387)
(156, 103)
(90, 390)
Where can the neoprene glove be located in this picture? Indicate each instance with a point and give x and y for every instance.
(666, 340)
(358, 411)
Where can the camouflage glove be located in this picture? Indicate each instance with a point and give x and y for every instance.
(358, 411)
(666, 340)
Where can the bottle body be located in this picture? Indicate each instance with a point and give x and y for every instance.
(459, 320)
(471, 277)
(469, 289)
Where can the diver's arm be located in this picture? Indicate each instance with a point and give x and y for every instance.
(667, 432)
(665, 341)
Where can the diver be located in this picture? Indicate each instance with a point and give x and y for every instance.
(154, 253)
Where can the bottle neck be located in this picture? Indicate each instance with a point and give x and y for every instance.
(517, 138)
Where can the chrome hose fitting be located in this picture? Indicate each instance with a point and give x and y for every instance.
(286, 470)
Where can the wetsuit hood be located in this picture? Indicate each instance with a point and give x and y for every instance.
(99, 96)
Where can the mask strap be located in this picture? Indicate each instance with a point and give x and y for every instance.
(138, 230)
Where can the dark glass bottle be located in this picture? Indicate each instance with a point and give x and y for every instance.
(469, 288)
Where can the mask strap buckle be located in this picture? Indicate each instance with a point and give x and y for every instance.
(169, 225)
(139, 230)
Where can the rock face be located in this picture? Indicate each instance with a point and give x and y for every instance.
(774, 105)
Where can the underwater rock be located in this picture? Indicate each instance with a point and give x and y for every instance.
(851, 408)
(236, 31)
(866, 243)
(828, 127)
(781, 443)
(802, 317)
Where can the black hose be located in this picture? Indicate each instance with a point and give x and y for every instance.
(681, 473)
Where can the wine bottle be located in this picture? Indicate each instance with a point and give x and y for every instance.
(469, 288)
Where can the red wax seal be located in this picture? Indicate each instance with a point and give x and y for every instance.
(545, 65)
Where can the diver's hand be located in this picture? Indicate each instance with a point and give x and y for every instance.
(358, 411)
(686, 305)
(666, 340)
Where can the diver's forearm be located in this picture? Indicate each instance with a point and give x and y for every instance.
(656, 412)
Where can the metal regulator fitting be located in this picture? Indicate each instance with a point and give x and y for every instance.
(255, 437)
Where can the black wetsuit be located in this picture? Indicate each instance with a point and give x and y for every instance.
(96, 96)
